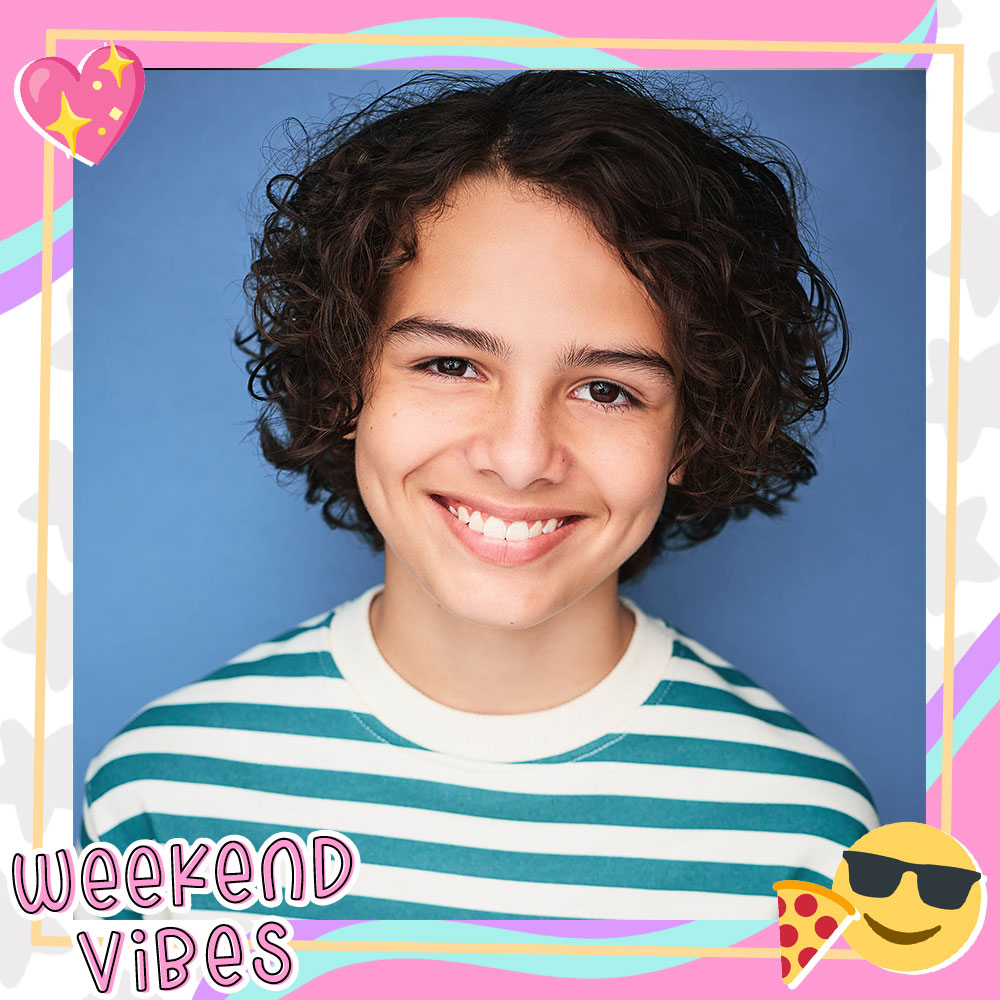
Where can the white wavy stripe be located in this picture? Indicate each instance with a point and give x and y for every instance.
(707, 724)
(313, 640)
(648, 720)
(556, 900)
(692, 672)
(594, 778)
(306, 690)
(541, 899)
(317, 691)
(240, 805)
(699, 650)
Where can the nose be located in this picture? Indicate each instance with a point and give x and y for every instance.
(521, 440)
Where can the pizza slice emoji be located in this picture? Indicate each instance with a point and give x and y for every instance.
(810, 918)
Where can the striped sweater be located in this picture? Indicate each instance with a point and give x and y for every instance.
(674, 789)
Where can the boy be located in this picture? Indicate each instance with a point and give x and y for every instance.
(522, 335)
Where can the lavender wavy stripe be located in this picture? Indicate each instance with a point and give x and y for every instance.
(923, 60)
(582, 928)
(316, 966)
(970, 672)
(310, 930)
(25, 281)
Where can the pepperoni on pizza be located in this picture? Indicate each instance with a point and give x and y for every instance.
(810, 918)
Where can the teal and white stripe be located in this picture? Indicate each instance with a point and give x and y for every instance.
(700, 796)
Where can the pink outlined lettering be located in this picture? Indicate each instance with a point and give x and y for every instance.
(103, 973)
(97, 894)
(243, 851)
(295, 850)
(173, 973)
(216, 964)
(268, 938)
(183, 880)
(320, 843)
(44, 898)
(140, 962)
(135, 883)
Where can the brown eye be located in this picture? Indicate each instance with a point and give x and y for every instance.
(458, 367)
(608, 395)
(604, 392)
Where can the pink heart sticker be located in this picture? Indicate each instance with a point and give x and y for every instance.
(82, 111)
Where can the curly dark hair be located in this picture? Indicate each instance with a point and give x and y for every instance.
(703, 212)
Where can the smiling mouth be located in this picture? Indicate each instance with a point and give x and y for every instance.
(491, 526)
(900, 937)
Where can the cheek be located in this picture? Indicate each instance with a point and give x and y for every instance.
(634, 472)
(396, 437)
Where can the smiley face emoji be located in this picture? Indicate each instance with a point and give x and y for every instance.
(920, 895)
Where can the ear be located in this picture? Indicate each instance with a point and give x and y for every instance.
(676, 477)
(352, 434)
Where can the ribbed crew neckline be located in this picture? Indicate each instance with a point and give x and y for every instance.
(600, 711)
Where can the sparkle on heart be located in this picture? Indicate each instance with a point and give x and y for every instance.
(83, 111)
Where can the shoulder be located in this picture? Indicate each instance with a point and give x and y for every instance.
(283, 688)
(721, 702)
(731, 743)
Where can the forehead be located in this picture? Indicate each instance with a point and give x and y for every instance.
(506, 258)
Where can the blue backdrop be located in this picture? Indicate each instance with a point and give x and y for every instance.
(187, 552)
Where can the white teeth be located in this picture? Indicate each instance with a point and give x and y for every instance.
(494, 528)
(517, 532)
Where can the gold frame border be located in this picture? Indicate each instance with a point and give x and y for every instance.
(956, 51)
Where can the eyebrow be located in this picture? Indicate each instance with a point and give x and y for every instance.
(418, 326)
(576, 356)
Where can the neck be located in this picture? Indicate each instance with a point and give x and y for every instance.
(477, 668)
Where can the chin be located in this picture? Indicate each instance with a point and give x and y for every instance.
(507, 604)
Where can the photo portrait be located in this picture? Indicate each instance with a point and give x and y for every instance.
(534, 335)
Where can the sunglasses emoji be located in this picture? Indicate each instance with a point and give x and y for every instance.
(920, 894)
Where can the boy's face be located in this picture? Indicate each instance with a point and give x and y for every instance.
(524, 384)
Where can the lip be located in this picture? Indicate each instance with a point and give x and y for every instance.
(505, 512)
(498, 550)
(900, 937)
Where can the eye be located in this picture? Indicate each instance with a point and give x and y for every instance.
(605, 393)
(451, 367)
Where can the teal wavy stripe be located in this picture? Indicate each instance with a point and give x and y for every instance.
(361, 907)
(983, 700)
(299, 629)
(343, 56)
(684, 694)
(334, 723)
(23, 245)
(310, 664)
(685, 751)
(555, 869)
(730, 674)
(596, 810)
(898, 60)
(297, 721)
(704, 933)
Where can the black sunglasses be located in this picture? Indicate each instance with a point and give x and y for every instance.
(940, 886)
